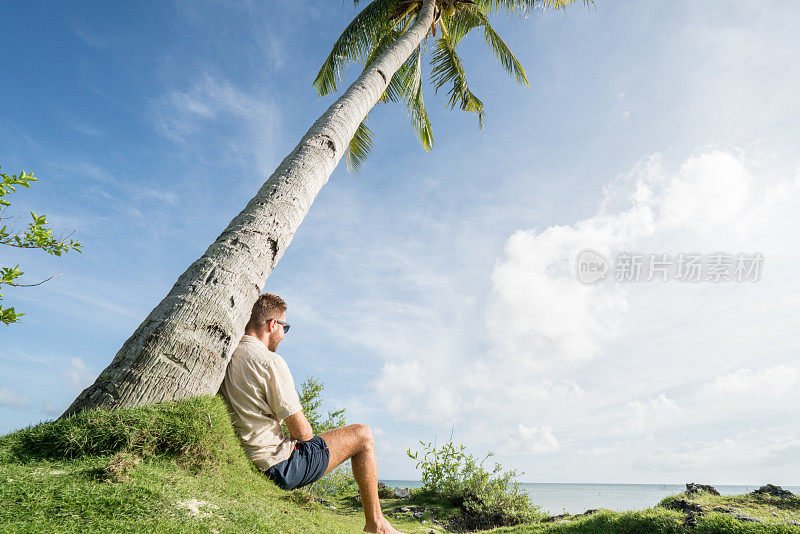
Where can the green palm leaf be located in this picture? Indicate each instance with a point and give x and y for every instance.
(461, 23)
(355, 43)
(447, 69)
(382, 22)
(420, 121)
(523, 7)
(359, 146)
(395, 90)
(501, 51)
(416, 106)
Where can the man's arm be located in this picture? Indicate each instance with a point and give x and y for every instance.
(299, 427)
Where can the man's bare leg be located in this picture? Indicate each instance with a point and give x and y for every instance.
(356, 443)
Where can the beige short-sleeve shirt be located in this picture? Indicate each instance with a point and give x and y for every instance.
(260, 392)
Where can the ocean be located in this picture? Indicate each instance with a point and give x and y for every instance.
(577, 498)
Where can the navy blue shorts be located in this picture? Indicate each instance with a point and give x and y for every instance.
(307, 464)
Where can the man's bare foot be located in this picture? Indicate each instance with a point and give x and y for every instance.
(383, 527)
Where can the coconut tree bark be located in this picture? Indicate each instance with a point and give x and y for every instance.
(183, 346)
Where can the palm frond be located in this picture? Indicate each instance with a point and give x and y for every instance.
(461, 23)
(359, 147)
(355, 43)
(523, 7)
(501, 51)
(395, 89)
(447, 69)
(416, 106)
(399, 87)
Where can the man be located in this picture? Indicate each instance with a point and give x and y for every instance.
(260, 392)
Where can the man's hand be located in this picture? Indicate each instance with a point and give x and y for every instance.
(299, 427)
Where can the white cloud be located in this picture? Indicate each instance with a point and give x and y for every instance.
(772, 382)
(77, 375)
(246, 120)
(745, 449)
(642, 415)
(603, 364)
(536, 440)
(409, 398)
(167, 197)
(538, 308)
(12, 399)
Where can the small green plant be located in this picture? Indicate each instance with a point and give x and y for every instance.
(37, 235)
(340, 481)
(485, 498)
(311, 400)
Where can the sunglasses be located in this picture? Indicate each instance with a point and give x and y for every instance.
(284, 323)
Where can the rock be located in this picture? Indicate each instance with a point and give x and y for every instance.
(747, 518)
(692, 488)
(405, 509)
(402, 493)
(554, 518)
(692, 510)
(419, 515)
(774, 491)
(682, 505)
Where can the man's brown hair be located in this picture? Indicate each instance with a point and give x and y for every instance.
(267, 306)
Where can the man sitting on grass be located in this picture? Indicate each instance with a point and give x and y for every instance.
(260, 393)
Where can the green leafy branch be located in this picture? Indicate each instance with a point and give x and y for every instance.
(37, 235)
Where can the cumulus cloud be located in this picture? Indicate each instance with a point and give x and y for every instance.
(643, 414)
(77, 375)
(614, 362)
(411, 398)
(771, 382)
(536, 440)
(12, 399)
(712, 201)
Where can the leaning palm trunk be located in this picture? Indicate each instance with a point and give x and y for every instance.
(183, 346)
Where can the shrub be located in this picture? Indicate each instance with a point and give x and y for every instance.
(340, 481)
(485, 499)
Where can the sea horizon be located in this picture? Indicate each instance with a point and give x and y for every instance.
(577, 497)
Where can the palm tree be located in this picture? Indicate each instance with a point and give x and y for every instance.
(183, 346)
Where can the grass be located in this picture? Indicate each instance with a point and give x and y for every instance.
(178, 467)
(54, 478)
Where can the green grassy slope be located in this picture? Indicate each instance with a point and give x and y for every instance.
(178, 467)
(55, 478)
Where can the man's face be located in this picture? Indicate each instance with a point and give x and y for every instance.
(276, 335)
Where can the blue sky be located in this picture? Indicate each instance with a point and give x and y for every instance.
(435, 291)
